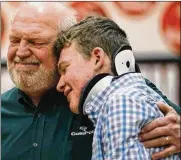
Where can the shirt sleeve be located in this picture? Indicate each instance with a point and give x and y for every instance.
(170, 103)
(124, 119)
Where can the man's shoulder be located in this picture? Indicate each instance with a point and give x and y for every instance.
(9, 97)
(9, 94)
(123, 92)
(130, 93)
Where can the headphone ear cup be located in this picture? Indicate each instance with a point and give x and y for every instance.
(123, 60)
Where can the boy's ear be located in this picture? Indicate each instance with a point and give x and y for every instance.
(98, 56)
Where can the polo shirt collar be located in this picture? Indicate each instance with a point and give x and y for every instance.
(45, 103)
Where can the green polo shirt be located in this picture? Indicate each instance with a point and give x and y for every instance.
(47, 132)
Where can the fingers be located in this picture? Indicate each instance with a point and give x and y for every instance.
(157, 132)
(163, 120)
(171, 118)
(164, 153)
(164, 107)
(154, 124)
(158, 142)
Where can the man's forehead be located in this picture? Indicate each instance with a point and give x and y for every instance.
(68, 53)
(65, 56)
(42, 21)
(28, 25)
(62, 60)
(37, 30)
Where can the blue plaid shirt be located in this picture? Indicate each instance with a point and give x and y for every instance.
(119, 112)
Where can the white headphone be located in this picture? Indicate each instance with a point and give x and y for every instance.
(123, 60)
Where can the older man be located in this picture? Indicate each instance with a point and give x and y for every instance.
(36, 121)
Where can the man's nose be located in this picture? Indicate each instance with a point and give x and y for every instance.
(61, 84)
(23, 49)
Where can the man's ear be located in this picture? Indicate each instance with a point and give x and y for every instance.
(98, 56)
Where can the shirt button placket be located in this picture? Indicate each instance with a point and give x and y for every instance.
(35, 145)
(39, 115)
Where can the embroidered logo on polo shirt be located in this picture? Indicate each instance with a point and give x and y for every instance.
(83, 133)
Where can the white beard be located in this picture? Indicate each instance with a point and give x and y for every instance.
(33, 81)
